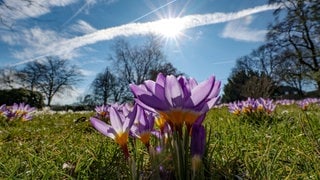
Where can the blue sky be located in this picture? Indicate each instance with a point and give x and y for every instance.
(213, 33)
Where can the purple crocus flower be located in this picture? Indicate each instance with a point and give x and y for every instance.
(3, 110)
(21, 111)
(265, 105)
(304, 104)
(143, 125)
(235, 107)
(249, 106)
(102, 112)
(119, 128)
(178, 100)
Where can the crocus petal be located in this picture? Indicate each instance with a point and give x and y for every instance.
(192, 83)
(161, 79)
(173, 91)
(115, 119)
(144, 106)
(185, 86)
(148, 98)
(102, 127)
(208, 104)
(142, 118)
(155, 89)
(215, 90)
(138, 90)
(150, 118)
(153, 101)
(129, 120)
(200, 92)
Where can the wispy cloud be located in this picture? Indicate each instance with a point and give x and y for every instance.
(20, 9)
(223, 62)
(83, 27)
(67, 46)
(239, 30)
(85, 72)
(35, 41)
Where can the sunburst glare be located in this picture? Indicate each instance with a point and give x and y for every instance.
(171, 28)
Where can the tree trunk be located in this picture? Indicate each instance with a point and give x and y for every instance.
(49, 101)
(318, 84)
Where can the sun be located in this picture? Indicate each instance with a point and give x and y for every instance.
(170, 28)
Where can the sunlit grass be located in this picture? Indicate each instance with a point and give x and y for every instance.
(56, 147)
(288, 148)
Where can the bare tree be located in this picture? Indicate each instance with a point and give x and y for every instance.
(9, 78)
(103, 85)
(264, 59)
(291, 73)
(139, 63)
(31, 74)
(276, 64)
(166, 69)
(296, 34)
(51, 76)
(135, 64)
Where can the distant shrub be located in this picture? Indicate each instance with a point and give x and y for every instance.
(11, 96)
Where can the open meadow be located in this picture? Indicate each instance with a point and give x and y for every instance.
(66, 146)
(160, 90)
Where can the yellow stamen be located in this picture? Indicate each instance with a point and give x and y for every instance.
(178, 117)
(237, 112)
(160, 122)
(260, 108)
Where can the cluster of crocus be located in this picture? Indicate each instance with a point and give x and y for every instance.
(285, 102)
(17, 111)
(251, 106)
(178, 106)
(102, 112)
(304, 104)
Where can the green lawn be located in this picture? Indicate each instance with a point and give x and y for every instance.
(56, 147)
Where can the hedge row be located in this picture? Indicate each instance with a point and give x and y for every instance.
(10, 96)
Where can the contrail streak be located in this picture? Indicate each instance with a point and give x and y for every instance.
(186, 22)
(79, 11)
(165, 5)
(223, 62)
